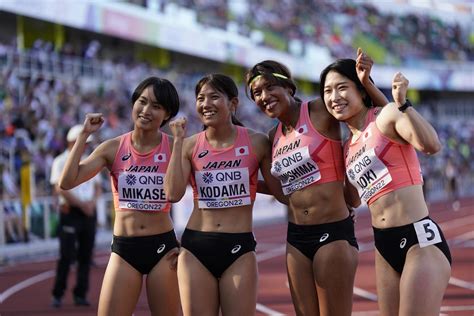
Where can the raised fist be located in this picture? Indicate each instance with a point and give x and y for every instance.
(178, 127)
(363, 66)
(93, 122)
(399, 88)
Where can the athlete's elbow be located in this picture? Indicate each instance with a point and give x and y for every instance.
(436, 147)
(432, 147)
(64, 185)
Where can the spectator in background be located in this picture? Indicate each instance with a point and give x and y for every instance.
(451, 172)
(77, 227)
(14, 230)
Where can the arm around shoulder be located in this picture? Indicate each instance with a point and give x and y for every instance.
(351, 195)
(271, 185)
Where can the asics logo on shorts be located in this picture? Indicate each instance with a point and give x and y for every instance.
(161, 248)
(403, 242)
(324, 237)
(236, 249)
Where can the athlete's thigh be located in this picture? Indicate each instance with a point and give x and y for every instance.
(334, 267)
(162, 288)
(388, 284)
(424, 280)
(198, 289)
(120, 288)
(240, 280)
(301, 281)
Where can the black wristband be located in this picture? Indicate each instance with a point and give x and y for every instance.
(405, 106)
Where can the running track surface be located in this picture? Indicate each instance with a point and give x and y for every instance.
(25, 288)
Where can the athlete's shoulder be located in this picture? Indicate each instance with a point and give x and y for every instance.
(189, 143)
(255, 134)
(192, 139)
(315, 104)
(111, 144)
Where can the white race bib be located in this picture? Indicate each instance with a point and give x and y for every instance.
(223, 188)
(295, 170)
(368, 174)
(141, 191)
(427, 233)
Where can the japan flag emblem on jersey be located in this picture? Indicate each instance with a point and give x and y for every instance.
(366, 135)
(303, 129)
(159, 158)
(242, 151)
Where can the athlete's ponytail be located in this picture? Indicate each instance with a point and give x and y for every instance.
(235, 120)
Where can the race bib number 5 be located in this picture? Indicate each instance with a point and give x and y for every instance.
(427, 233)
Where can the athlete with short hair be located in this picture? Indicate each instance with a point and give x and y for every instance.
(144, 241)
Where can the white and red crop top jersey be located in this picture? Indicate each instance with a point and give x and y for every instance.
(137, 179)
(304, 156)
(377, 165)
(224, 177)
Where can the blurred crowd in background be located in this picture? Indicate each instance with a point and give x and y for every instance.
(37, 108)
(337, 25)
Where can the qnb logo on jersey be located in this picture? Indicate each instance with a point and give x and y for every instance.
(203, 153)
(131, 179)
(403, 242)
(207, 177)
(161, 248)
(236, 249)
(351, 174)
(277, 166)
(126, 157)
(324, 237)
